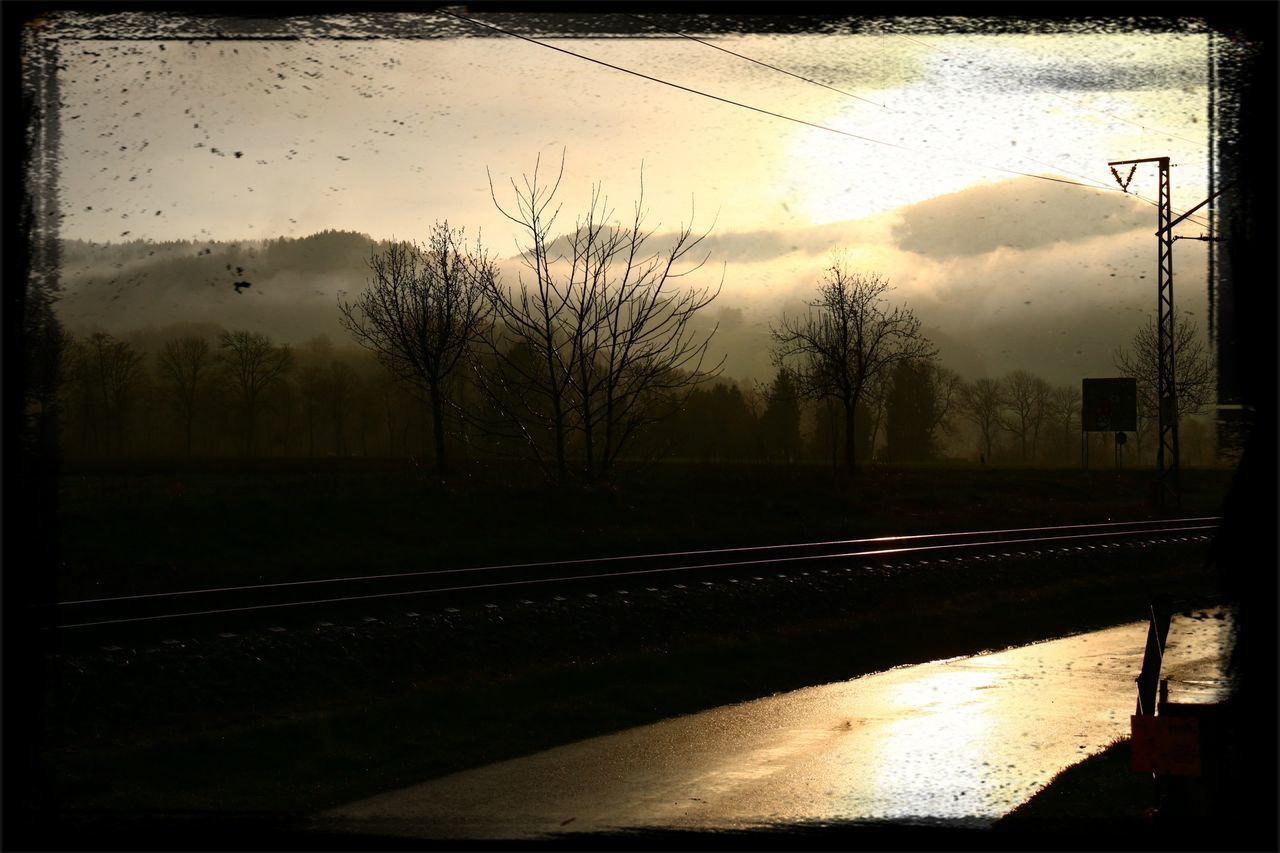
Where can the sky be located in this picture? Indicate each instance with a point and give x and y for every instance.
(927, 182)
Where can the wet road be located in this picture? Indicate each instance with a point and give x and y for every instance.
(967, 738)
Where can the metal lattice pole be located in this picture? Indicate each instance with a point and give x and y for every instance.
(1166, 384)
(1167, 459)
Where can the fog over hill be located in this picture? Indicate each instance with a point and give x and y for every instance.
(976, 183)
(999, 279)
(292, 293)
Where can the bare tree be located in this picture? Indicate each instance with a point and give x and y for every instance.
(252, 366)
(1146, 424)
(1027, 398)
(283, 398)
(1197, 439)
(343, 387)
(947, 389)
(184, 366)
(105, 372)
(1064, 411)
(779, 422)
(120, 372)
(45, 358)
(598, 343)
(310, 389)
(849, 339)
(920, 400)
(982, 402)
(82, 405)
(423, 311)
(826, 430)
(312, 357)
(875, 400)
(1193, 371)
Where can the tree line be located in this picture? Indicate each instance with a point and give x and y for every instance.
(590, 360)
(203, 391)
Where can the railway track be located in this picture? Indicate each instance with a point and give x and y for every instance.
(454, 587)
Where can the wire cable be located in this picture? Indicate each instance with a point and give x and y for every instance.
(1096, 186)
(1093, 182)
(763, 111)
(759, 62)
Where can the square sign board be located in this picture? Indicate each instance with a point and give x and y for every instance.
(1109, 405)
(1165, 744)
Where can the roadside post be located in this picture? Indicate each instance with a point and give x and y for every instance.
(1149, 678)
(1177, 743)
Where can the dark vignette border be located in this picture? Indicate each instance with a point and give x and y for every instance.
(1243, 293)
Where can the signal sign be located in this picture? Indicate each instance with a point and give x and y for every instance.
(1109, 405)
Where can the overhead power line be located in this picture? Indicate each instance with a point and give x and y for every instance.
(691, 91)
(759, 62)
(1093, 182)
(771, 113)
(1176, 212)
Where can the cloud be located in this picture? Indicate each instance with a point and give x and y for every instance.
(1058, 307)
(762, 245)
(768, 244)
(1020, 213)
(1058, 310)
(1055, 74)
(1075, 77)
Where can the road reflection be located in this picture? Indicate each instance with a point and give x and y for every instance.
(928, 759)
(966, 738)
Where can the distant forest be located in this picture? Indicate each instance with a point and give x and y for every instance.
(175, 391)
(208, 390)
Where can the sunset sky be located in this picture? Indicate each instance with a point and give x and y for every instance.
(249, 139)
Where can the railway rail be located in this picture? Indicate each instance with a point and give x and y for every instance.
(459, 586)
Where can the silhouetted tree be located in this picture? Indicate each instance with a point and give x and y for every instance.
(1064, 411)
(312, 358)
(780, 421)
(947, 387)
(827, 437)
(121, 372)
(398, 413)
(343, 387)
(364, 411)
(982, 402)
(104, 372)
(310, 389)
(1197, 441)
(252, 365)
(423, 311)
(183, 367)
(714, 424)
(869, 414)
(849, 337)
(1193, 372)
(45, 345)
(599, 343)
(910, 413)
(281, 401)
(1027, 400)
(1145, 427)
(84, 417)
